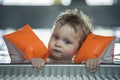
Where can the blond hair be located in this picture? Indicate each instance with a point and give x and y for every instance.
(76, 18)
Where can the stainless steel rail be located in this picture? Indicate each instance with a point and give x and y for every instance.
(58, 72)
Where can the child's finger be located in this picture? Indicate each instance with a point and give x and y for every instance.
(38, 64)
(92, 65)
(87, 64)
(95, 64)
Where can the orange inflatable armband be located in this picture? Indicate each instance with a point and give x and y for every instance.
(93, 47)
(26, 41)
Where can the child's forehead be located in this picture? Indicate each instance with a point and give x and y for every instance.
(65, 30)
(74, 28)
(62, 27)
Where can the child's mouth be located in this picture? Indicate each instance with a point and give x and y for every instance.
(57, 51)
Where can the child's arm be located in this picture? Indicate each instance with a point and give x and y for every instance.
(37, 63)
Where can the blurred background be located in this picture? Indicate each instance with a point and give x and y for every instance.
(41, 14)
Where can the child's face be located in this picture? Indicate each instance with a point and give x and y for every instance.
(64, 43)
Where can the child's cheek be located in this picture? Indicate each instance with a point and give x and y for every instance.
(69, 54)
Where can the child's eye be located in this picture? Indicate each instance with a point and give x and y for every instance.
(56, 37)
(67, 42)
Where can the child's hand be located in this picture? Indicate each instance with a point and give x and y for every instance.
(37, 63)
(92, 64)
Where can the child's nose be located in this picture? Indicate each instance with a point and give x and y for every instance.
(58, 43)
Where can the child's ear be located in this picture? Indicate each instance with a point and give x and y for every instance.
(93, 47)
(26, 41)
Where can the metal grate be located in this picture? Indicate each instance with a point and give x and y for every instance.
(58, 72)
